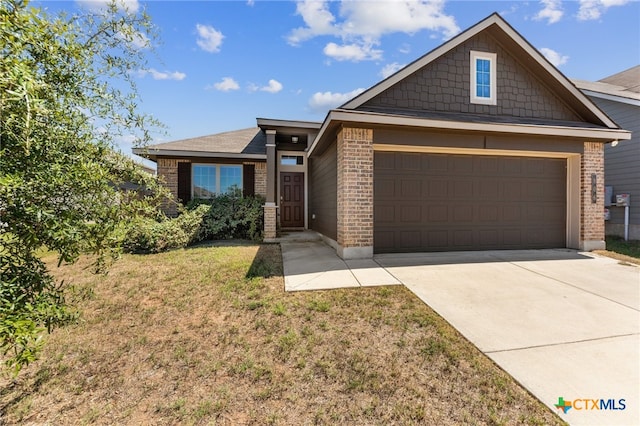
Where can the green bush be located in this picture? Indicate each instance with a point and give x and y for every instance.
(233, 216)
(150, 236)
(223, 217)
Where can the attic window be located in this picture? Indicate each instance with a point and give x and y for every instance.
(483, 78)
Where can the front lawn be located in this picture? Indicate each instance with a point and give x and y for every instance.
(207, 335)
(625, 251)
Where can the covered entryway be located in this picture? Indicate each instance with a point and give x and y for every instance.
(292, 199)
(448, 202)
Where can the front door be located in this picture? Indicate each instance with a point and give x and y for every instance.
(291, 200)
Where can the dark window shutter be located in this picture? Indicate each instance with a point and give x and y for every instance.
(184, 182)
(248, 179)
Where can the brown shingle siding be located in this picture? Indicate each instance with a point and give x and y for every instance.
(444, 86)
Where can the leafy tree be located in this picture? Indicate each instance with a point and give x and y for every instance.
(60, 114)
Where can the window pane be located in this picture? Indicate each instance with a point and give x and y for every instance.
(230, 176)
(483, 78)
(291, 160)
(204, 181)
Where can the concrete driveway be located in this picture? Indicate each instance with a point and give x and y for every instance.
(564, 324)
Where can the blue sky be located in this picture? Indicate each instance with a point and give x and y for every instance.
(220, 64)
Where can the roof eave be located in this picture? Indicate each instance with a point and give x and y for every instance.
(153, 154)
(612, 97)
(373, 119)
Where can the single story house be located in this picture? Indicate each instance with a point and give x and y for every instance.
(479, 144)
(619, 97)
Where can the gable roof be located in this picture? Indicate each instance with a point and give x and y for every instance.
(629, 79)
(597, 126)
(621, 87)
(245, 143)
(512, 41)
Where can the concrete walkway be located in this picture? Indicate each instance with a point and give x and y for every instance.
(310, 264)
(563, 323)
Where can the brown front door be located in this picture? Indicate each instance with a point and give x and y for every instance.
(292, 200)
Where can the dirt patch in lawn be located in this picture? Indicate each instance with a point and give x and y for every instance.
(207, 335)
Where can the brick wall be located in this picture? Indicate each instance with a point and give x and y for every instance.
(355, 188)
(260, 178)
(591, 214)
(444, 86)
(168, 170)
(270, 225)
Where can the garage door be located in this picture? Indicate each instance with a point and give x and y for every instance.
(443, 202)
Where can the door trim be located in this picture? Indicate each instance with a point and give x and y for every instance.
(301, 204)
(297, 168)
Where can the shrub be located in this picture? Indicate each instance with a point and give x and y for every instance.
(150, 236)
(233, 216)
(223, 217)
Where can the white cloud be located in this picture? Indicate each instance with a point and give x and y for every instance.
(352, 52)
(274, 86)
(209, 39)
(158, 75)
(593, 9)
(552, 11)
(391, 68)
(318, 18)
(227, 84)
(128, 5)
(405, 48)
(554, 57)
(324, 101)
(363, 23)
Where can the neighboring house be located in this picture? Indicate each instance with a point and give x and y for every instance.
(479, 144)
(619, 97)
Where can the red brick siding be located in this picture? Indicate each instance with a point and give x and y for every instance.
(355, 187)
(168, 171)
(592, 214)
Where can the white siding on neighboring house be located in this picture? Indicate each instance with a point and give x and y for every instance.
(622, 165)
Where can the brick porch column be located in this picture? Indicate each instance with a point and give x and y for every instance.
(592, 213)
(167, 169)
(270, 209)
(355, 193)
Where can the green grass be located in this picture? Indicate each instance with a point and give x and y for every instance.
(208, 336)
(629, 248)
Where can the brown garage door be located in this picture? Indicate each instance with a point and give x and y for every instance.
(441, 202)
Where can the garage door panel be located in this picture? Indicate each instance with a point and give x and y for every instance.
(462, 202)
(384, 214)
(410, 188)
(436, 163)
(488, 189)
(435, 189)
(462, 213)
(386, 161)
(411, 214)
(411, 161)
(488, 213)
(384, 189)
(437, 213)
(512, 190)
(463, 189)
(511, 166)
